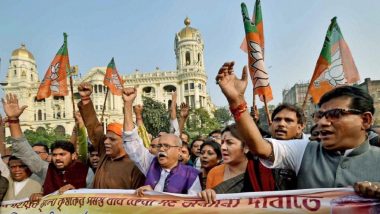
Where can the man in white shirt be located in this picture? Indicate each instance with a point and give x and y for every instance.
(343, 156)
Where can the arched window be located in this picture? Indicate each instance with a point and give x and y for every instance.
(60, 130)
(39, 115)
(31, 77)
(100, 88)
(23, 74)
(170, 88)
(199, 59)
(187, 56)
(40, 129)
(15, 73)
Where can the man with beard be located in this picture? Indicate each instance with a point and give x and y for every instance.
(62, 174)
(164, 172)
(115, 170)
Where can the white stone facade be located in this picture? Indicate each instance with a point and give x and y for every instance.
(189, 79)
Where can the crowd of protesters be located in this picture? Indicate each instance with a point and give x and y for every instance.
(341, 150)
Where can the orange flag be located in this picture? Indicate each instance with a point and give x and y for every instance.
(113, 80)
(255, 39)
(335, 65)
(55, 80)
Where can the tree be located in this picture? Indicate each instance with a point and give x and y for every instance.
(155, 115)
(47, 135)
(200, 123)
(223, 115)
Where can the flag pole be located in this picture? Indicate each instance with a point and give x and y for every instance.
(267, 111)
(72, 94)
(304, 101)
(253, 112)
(104, 105)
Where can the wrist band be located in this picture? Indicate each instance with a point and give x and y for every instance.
(138, 118)
(85, 98)
(236, 112)
(13, 121)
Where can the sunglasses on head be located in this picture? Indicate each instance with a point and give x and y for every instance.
(335, 113)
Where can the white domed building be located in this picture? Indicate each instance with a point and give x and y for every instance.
(189, 80)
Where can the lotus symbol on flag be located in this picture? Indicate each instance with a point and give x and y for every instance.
(116, 82)
(54, 87)
(334, 74)
(259, 78)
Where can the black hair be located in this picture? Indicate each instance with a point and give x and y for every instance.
(13, 158)
(215, 131)
(360, 99)
(43, 145)
(199, 138)
(215, 146)
(63, 144)
(299, 113)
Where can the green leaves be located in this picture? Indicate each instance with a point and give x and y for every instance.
(155, 115)
(47, 135)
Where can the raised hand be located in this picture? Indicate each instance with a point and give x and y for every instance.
(138, 109)
(232, 87)
(85, 90)
(11, 107)
(184, 110)
(174, 96)
(129, 94)
(79, 119)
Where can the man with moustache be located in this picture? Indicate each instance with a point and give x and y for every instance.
(164, 172)
(62, 174)
(115, 170)
(342, 157)
(20, 184)
(287, 123)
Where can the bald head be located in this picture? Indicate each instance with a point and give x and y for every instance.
(171, 138)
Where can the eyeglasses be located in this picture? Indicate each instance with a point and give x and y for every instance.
(38, 152)
(153, 146)
(335, 113)
(164, 146)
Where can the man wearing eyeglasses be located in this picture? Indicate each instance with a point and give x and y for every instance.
(343, 156)
(42, 150)
(163, 172)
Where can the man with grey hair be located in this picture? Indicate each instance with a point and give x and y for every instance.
(163, 172)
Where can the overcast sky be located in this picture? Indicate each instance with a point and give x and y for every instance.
(140, 34)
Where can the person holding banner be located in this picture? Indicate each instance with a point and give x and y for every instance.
(164, 172)
(115, 170)
(343, 156)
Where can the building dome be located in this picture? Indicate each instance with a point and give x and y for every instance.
(187, 32)
(22, 52)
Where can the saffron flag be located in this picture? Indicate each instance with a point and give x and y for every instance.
(55, 80)
(257, 18)
(335, 65)
(257, 70)
(113, 80)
